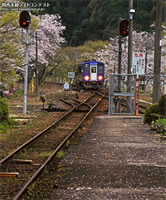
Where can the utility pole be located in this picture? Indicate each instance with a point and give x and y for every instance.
(130, 50)
(157, 52)
(36, 67)
(119, 63)
(130, 46)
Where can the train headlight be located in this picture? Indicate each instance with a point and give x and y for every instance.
(100, 77)
(86, 78)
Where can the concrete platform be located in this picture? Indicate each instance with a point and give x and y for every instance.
(117, 159)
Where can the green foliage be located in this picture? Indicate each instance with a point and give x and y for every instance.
(4, 112)
(18, 93)
(60, 154)
(5, 121)
(155, 111)
(162, 105)
(4, 126)
(45, 154)
(11, 47)
(9, 77)
(69, 57)
(148, 117)
(67, 144)
(159, 126)
(97, 19)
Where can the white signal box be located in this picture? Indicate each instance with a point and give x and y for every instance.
(66, 86)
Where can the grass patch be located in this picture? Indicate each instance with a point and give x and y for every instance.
(45, 154)
(30, 189)
(6, 125)
(160, 126)
(60, 154)
(17, 94)
(67, 144)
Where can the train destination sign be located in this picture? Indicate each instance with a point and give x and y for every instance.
(138, 66)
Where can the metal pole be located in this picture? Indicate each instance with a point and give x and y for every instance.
(119, 64)
(130, 50)
(26, 72)
(130, 46)
(146, 59)
(157, 52)
(146, 62)
(36, 66)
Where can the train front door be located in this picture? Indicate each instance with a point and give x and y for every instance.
(93, 73)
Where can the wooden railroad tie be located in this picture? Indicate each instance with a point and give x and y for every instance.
(20, 161)
(9, 174)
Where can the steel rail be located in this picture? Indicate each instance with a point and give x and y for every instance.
(35, 137)
(37, 173)
(42, 132)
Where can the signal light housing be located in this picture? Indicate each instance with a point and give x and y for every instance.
(124, 28)
(25, 19)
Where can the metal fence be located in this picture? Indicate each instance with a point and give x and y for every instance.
(123, 91)
(122, 94)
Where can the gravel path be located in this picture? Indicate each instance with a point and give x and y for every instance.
(117, 159)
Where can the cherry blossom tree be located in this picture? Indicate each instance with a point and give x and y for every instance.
(142, 42)
(49, 41)
(50, 38)
(8, 49)
(12, 50)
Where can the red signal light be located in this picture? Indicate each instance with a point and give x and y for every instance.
(25, 19)
(124, 27)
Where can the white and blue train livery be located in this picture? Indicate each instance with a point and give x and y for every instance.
(91, 74)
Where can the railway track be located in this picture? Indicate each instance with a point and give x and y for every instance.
(142, 105)
(23, 166)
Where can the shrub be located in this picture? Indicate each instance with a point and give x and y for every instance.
(162, 105)
(159, 109)
(148, 118)
(4, 112)
(4, 125)
(161, 125)
(5, 121)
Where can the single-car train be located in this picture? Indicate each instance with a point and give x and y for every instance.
(90, 74)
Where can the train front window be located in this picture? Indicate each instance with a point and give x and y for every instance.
(86, 68)
(101, 69)
(93, 69)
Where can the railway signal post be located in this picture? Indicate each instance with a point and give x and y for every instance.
(24, 21)
(123, 32)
